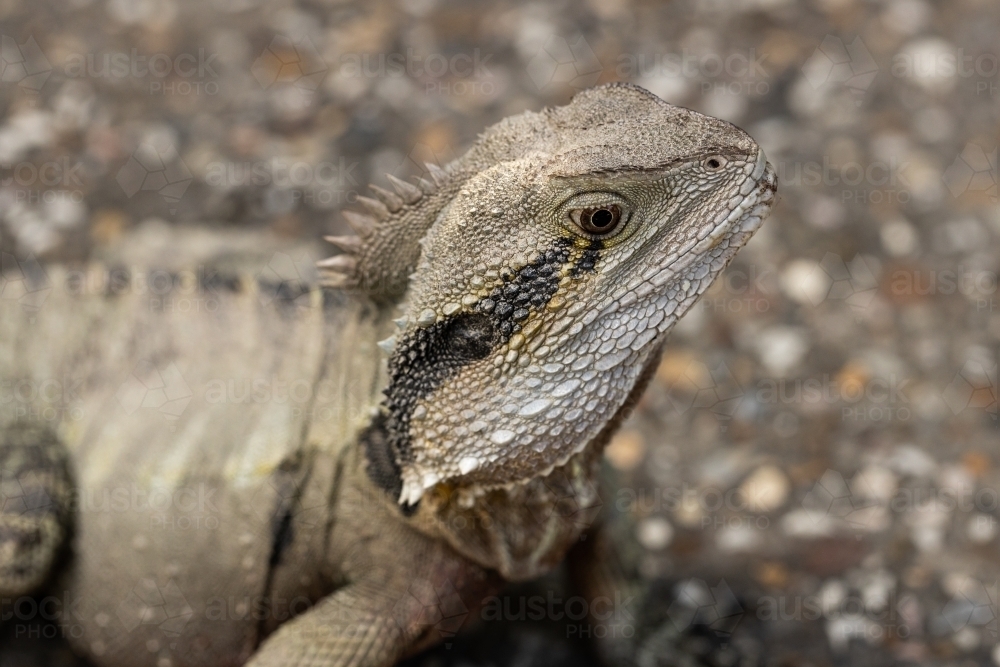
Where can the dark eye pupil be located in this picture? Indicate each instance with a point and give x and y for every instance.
(602, 218)
(713, 163)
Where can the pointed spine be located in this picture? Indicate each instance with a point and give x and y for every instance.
(350, 244)
(426, 185)
(375, 207)
(391, 200)
(436, 172)
(336, 280)
(363, 225)
(410, 193)
(340, 263)
(388, 345)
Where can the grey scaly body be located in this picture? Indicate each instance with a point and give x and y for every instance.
(533, 284)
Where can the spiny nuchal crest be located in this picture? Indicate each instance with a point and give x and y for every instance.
(568, 244)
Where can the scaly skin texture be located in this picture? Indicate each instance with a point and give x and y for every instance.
(536, 279)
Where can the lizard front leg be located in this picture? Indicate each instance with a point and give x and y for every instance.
(35, 501)
(354, 626)
(420, 596)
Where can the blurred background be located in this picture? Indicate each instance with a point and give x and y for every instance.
(814, 476)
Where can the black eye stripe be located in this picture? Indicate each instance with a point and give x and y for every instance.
(588, 259)
(425, 358)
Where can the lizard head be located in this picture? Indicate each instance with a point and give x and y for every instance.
(572, 242)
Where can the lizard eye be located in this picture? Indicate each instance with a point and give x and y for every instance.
(715, 163)
(601, 220)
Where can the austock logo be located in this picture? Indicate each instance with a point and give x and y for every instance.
(43, 617)
(24, 281)
(869, 500)
(854, 283)
(599, 617)
(935, 66)
(168, 74)
(868, 609)
(149, 604)
(286, 279)
(740, 291)
(47, 399)
(974, 604)
(51, 182)
(692, 384)
(419, 161)
(168, 508)
(734, 73)
(162, 389)
(974, 387)
(287, 182)
(698, 604)
(23, 64)
(860, 396)
(293, 65)
(458, 73)
(973, 171)
(26, 65)
(869, 182)
(833, 498)
(561, 62)
(281, 497)
(149, 168)
(430, 607)
(573, 500)
(835, 63)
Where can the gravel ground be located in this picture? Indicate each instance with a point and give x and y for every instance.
(814, 476)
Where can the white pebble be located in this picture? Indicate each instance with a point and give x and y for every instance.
(967, 639)
(655, 533)
(920, 62)
(899, 238)
(982, 528)
(874, 483)
(738, 538)
(781, 348)
(804, 281)
(765, 489)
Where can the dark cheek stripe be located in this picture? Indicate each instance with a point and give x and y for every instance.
(588, 260)
(426, 357)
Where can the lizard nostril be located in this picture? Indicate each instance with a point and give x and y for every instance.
(715, 162)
